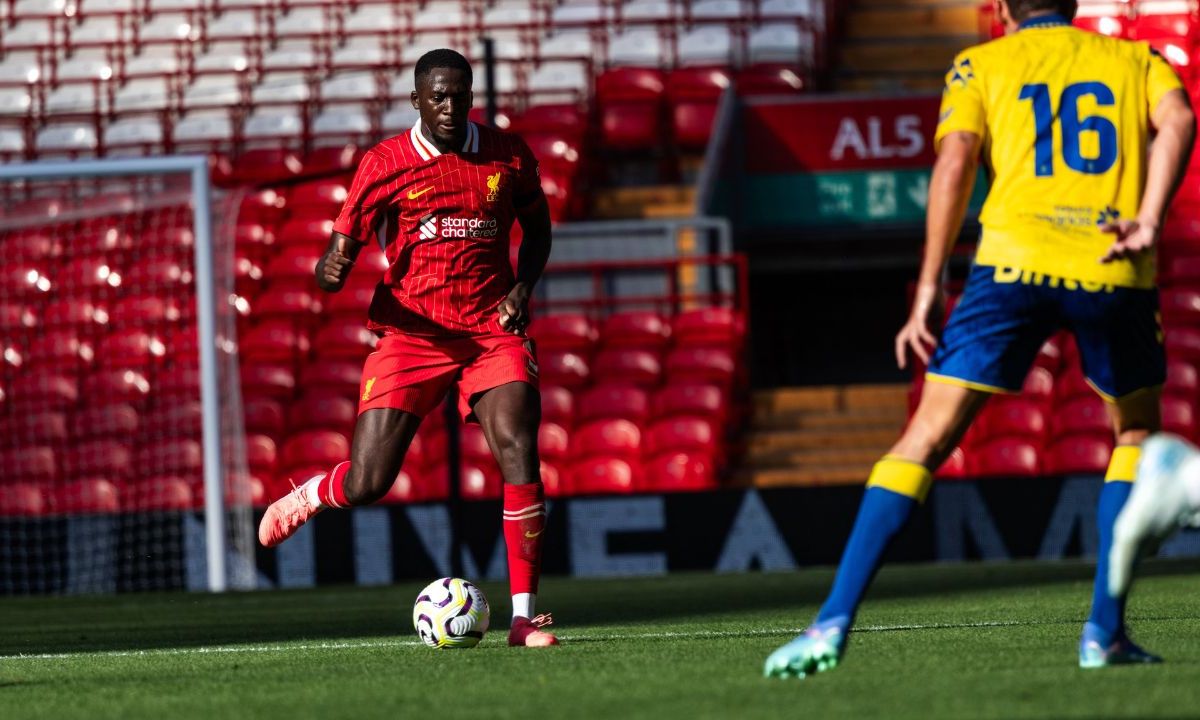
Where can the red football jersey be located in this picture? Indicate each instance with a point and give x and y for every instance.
(443, 219)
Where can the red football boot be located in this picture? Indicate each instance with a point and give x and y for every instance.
(529, 633)
(286, 515)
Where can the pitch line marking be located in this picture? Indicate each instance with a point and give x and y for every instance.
(368, 644)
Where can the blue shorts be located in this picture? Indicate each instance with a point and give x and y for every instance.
(1006, 315)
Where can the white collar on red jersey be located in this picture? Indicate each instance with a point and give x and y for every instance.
(426, 149)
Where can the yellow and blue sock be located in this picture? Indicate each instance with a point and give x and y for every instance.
(894, 490)
(1108, 613)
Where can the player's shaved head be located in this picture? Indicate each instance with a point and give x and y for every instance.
(1022, 9)
(443, 58)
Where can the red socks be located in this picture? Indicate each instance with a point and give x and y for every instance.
(329, 488)
(524, 521)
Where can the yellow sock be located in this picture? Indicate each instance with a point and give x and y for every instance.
(901, 476)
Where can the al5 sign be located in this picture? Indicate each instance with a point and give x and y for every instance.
(830, 134)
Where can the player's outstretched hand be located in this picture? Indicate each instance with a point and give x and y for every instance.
(514, 310)
(916, 335)
(1133, 238)
(332, 270)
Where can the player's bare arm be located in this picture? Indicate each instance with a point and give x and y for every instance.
(1169, 154)
(534, 216)
(949, 195)
(334, 266)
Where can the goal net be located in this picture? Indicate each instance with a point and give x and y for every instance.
(119, 393)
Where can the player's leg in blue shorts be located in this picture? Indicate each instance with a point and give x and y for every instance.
(992, 338)
(1119, 338)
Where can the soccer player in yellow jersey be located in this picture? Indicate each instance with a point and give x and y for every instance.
(1062, 120)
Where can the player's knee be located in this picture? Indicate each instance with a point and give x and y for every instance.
(364, 488)
(924, 444)
(514, 446)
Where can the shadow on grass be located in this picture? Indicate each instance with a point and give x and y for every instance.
(148, 621)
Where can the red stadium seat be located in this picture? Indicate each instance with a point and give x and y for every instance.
(22, 500)
(135, 349)
(614, 401)
(402, 491)
(607, 437)
(263, 415)
(709, 327)
(87, 495)
(179, 457)
(178, 419)
(691, 399)
(268, 381)
(1183, 379)
(264, 206)
(1183, 343)
(91, 276)
(705, 365)
(118, 421)
(558, 405)
(264, 165)
(1082, 415)
(262, 456)
(352, 302)
(32, 246)
(1179, 416)
(1071, 384)
(1039, 384)
(693, 94)
(676, 471)
(1006, 457)
(332, 159)
(568, 369)
(151, 311)
(631, 108)
(78, 314)
(25, 279)
(1079, 454)
(321, 409)
(955, 467)
(35, 463)
(553, 480)
(691, 434)
(107, 458)
(293, 304)
(635, 367)
(768, 79)
(553, 441)
(183, 343)
(17, 319)
(345, 340)
(342, 377)
(159, 274)
(428, 447)
(308, 232)
(118, 386)
(45, 388)
(38, 427)
(564, 332)
(320, 448)
(179, 381)
(293, 267)
(1180, 306)
(603, 476)
(61, 349)
(1006, 415)
(473, 445)
(637, 329)
(274, 341)
(480, 482)
(321, 199)
(561, 119)
(109, 243)
(164, 493)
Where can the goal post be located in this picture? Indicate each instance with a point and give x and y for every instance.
(217, 443)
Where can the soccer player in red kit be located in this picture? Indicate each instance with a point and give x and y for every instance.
(441, 197)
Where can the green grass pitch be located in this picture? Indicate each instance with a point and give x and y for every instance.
(969, 641)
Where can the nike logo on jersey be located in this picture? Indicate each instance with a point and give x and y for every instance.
(414, 194)
(532, 535)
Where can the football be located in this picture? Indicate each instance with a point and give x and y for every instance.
(451, 613)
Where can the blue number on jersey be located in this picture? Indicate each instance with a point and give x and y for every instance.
(1072, 127)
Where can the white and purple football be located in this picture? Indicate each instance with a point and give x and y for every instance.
(451, 613)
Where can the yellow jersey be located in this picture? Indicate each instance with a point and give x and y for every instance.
(1064, 116)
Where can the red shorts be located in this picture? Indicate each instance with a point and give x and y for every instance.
(413, 372)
